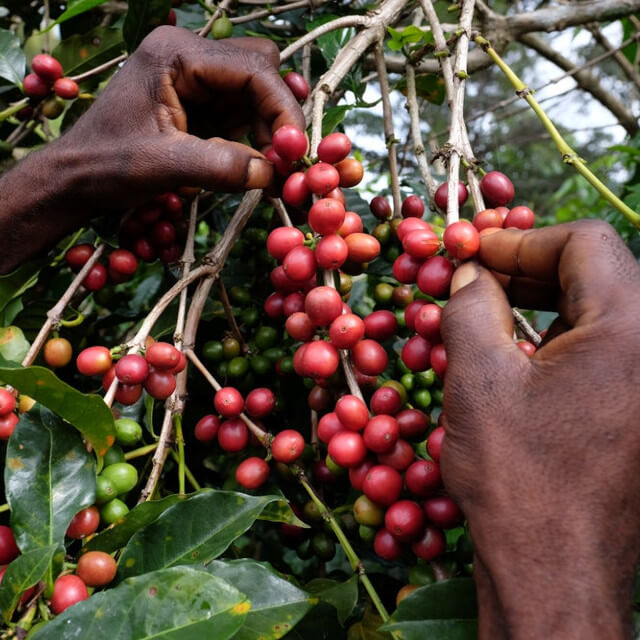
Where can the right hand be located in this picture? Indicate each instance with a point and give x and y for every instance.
(542, 453)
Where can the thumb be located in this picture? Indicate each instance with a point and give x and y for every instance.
(215, 164)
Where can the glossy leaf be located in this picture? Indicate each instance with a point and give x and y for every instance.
(83, 51)
(49, 476)
(13, 345)
(25, 571)
(12, 58)
(17, 282)
(434, 629)
(276, 604)
(342, 595)
(143, 17)
(181, 603)
(194, 531)
(139, 517)
(281, 512)
(76, 7)
(86, 412)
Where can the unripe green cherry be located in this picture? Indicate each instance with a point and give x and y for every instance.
(113, 511)
(128, 432)
(105, 490)
(123, 475)
(113, 455)
(222, 28)
(367, 512)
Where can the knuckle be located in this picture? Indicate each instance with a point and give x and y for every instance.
(593, 227)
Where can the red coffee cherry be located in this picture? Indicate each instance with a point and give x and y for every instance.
(300, 327)
(385, 400)
(96, 278)
(369, 357)
(295, 191)
(93, 361)
(96, 568)
(427, 322)
(520, 218)
(461, 240)
(415, 353)
(281, 281)
(525, 346)
(358, 473)
(411, 312)
(404, 520)
(162, 355)
(132, 369)
(351, 172)
(67, 591)
(412, 423)
(352, 224)
(289, 142)
(123, 261)
(383, 485)
(346, 331)
(323, 305)
(66, 88)
(78, 255)
(160, 384)
(252, 473)
(260, 402)
(7, 403)
(57, 352)
(434, 443)
(283, 167)
(319, 398)
(322, 473)
(274, 305)
(334, 148)
(386, 546)
(47, 67)
(8, 548)
(362, 247)
(293, 303)
(228, 402)
(438, 360)
(320, 359)
(8, 423)
(35, 87)
(287, 446)
(207, 428)
(328, 426)
(331, 252)
(381, 433)
(282, 240)
(297, 85)
(487, 219)
(380, 208)
(441, 195)
(409, 225)
(421, 244)
(233, 435)
(443, 512)
(326, 216)
(352, 412)
(128, 394)
(412, 207)
(497, 188)
(322, 178)
(400, 456)
(434, 276)
(405, 267)
(380, 325)
(423, 478)
(347, 449)
(431, 544)
(300, 263)
(145, 250)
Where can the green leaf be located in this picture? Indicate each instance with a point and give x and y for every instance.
(86, 412)
(25, 571)
(181, 603)
(143, 17)
(12, 59)
(144, 514)
(17, 282)
(342, 595)
(281, 512)
(333, 116)
(333, 42)
(13, 345)
(429, 86)
(76, 7)
(435, 629)
(49, 476)
(276, 604)
(193, 531)
(83, 51)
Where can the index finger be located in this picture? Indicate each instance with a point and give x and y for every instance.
(584, 264)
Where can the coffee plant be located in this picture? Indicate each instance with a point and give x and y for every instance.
(221, 413)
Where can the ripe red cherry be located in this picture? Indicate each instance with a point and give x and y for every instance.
(411, 224)
(461, 240)
(35, 87)
(96, 568)
(412, 423)
(404, 520)
(385, 400)
(319, 398)
(347, 449)
(441, 194)
(8, 548)
(400, 456)
(8, 423)
(7, 403)
(297, 85)
(128, 394)
(434, 276)
(520, 217)
(411, 311)
(67, 591)
(351, 172)
(132, 369)
(172, 203)
(96, 278)
(412, 207)
(503, 211)
(289, 142)
(260, 402)
(383, 485)
(66, 88)
(337, 194)
(207, 428)
(423, 478)
(281, 240)
(352, 412)
(487, 219)
(328, 426)
(295, 190)
(431, 544)
(380, 208)
(233, 435)
(300, 327)
(162, 355)
(386, 546)
(527, 347)
(252, 473)
(323, 305)
(497, 188)
(228, 402)
(370, 357)
(421, 244)
(320, 359)
(274, 305)
(438, 360)
(300, 263)
(298, 357)
(160, 384)
(281, 281)
(123, 261)
(334, 148)
(427, 322)
(145, 250)
(293, 303)
(283, 167)
(78, 255)
(47, 67)
(93, 361)
(380, 325)
(163, 234)
(415, 353)
(381, 433)
(358, 474)
(322, 473)
(331, 252)
(443, 512)
(434, 443)
(287, 446)
(405, 268)
(326, 216)
(352, 224)
(346, 331)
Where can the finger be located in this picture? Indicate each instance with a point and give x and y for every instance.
(586, 260)
(528, 293)
(557, 328)
(214, 164)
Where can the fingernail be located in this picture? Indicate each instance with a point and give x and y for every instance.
(465, 274)
(259, 174)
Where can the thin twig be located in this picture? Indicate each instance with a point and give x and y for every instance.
(281, 210)
(204, 32)
(265, 13)
(231, 320)
(100, 68)
(531, 334)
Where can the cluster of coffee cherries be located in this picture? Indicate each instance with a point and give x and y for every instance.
(121, 266)
(155, 371)
(46, 79)
(8, 416)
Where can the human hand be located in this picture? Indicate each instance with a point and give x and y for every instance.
(541, 453)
